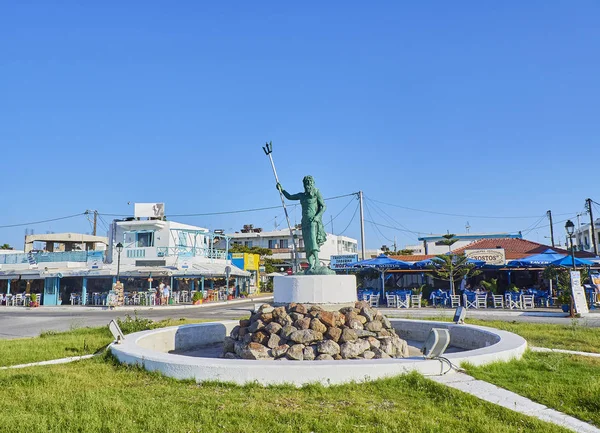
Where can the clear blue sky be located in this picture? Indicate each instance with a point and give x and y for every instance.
(472, 108)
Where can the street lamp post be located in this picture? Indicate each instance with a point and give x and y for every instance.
(119, 249)
(570, 228)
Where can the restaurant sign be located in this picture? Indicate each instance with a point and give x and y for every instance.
(343, 261)
(578, 292)
(491, 256)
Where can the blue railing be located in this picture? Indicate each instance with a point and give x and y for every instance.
(182, 251)
(41, 257)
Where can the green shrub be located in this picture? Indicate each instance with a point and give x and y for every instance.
(134, 324)
(197, 297)
(564, 297)
(491, 285)
(513, 288)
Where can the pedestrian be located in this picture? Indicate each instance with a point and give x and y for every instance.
(166, 294)
(161, 289)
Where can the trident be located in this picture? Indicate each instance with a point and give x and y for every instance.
(268, 149)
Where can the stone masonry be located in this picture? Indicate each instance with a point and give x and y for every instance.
(303, 332)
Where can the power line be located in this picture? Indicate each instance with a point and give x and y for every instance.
(377, 228)
(351, 219)
(41, 222)
(394, 221)
(339, 213)
(235, 211)
(460, 215)
(533, 226)
(389, 227)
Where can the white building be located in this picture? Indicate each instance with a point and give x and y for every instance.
(154, 242)
(582, 238)
(150, 248)
(432, 244)
(280, 243)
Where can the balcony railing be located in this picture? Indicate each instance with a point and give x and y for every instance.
(190, 252)
(44, 257)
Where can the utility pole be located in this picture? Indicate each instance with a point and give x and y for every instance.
(95, 222)
(589, 208)
(362, 224)
(549, 213)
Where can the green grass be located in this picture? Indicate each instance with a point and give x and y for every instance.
(99, 396)
(570, 384)
(54, 345)
(569, 337)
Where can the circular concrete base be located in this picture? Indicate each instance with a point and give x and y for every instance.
(328, 291)
(478, 345)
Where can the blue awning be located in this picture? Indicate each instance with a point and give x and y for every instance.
(543, 259)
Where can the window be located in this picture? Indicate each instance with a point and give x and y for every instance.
(273, 243)
(144, 239)
(248, 244)
(283, 243)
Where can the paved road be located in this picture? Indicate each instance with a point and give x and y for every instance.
(20, 322)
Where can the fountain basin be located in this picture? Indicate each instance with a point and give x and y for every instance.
(151, 349)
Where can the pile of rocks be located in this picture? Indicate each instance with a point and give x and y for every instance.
(307, 332)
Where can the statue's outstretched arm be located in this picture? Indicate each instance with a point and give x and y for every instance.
(288, 195)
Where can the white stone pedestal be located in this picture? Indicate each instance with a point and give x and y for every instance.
(328, 291)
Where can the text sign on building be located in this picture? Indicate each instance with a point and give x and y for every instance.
(343, 261)
(491, 256)
(579, 301)
(149, 210)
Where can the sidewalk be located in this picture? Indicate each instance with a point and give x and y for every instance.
(263, 297)
(488, 392)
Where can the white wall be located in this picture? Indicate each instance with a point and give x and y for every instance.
(334, 245)
(165, 236)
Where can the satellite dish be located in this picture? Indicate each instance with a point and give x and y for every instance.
(436, 343)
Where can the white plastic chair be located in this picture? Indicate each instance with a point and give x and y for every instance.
(527, 301)
(374, 301)
(415, 300)
(498, 301)
(185, 296)
(481, 301)
(455, 301)
(391, 301)
(403, 301)
(18, 300)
